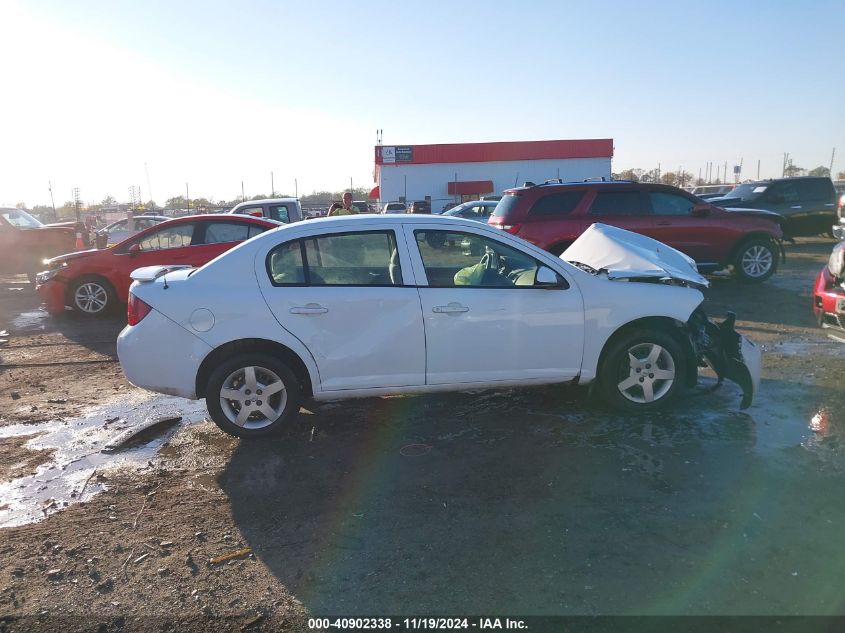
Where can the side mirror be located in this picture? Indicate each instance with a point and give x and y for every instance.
(701, 210)
(134, 250)
(547, 278)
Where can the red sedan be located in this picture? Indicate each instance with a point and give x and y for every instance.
(93, 282)
(829, 291)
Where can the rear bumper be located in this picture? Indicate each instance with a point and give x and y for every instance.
(159, 355)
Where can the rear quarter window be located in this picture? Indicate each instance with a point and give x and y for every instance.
(506, 205)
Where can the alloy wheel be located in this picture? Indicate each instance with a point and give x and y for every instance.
(253, 397)
(91, 298)
(648, 373)
(756, 261)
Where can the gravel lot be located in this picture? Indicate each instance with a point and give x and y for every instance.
(523, 502)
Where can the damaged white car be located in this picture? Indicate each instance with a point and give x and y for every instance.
(374, 305)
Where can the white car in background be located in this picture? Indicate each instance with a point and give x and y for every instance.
(285, 210)
(394, 207)
(356, 306)
(118, 231)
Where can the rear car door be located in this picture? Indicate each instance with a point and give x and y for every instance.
(218, 236)
(818, 201)
(486, 319)
(350, 299)
(626, 208)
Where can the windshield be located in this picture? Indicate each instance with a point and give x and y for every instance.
(20, 219)
(747, 191)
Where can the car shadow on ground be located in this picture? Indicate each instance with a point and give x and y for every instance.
(535, 502)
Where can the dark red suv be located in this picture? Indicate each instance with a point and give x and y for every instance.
(553, 214)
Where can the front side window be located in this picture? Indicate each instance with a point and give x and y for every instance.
(454, 259)
(19, 218)
(117, 227)
(257, 211)
(353, 259)
(170, 237)
(669, 204)
(782, 192)
(616, 203)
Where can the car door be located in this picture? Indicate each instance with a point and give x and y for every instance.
(484, 325)
(818, 201)
(349, 297)
(674, 223)
(625, 208)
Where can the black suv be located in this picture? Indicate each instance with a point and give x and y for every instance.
(808, 203)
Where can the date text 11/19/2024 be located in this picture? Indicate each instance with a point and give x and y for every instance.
(413, 624)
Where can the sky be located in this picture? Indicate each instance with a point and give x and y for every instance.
(105, 95)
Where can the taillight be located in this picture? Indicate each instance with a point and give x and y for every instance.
(136, 310)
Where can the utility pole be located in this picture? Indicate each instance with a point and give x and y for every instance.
(243, 195)
(295, 188)
(350, 184)
(832, 154)
(77, 203)
(785, 162)
(758, 169)
(188, 198)
(52, 202)
(272, 186)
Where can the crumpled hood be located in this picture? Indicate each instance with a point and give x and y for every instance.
(625, 255)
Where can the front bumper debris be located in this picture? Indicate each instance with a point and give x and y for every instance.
(728, 353)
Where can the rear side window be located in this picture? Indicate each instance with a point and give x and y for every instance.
(353, 259)
(557, 203)
(817, 189)
(280, 212)
(250, 211)
(284, 263)
(616, 203)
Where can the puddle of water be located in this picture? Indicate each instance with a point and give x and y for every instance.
(78, 446)
(29, 321)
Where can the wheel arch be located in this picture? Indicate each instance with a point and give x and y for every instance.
(669, 325)
(745, 239)
(75, 281)
(258, 345)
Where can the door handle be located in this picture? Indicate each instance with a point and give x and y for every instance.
(452, 308)
(798, 206)
(664, 223)
(311, 308)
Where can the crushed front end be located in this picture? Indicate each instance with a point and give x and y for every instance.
(731, 355)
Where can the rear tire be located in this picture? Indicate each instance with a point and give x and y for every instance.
(642, 370)
(91, 296)
(253, 395)
(755, 261)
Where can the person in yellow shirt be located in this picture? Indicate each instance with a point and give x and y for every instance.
(348, 208)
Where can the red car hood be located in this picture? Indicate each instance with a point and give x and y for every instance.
(64, 259)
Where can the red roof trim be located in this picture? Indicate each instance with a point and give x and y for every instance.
(502, 151)
(469, 187)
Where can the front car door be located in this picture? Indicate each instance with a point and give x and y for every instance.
(350, 299)
(486, 320)
(703, 238)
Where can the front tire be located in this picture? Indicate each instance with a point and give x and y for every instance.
(91, 296)
(253, 395)
(756, 261)
(642, 370)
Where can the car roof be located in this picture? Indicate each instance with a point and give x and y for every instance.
(265, 201)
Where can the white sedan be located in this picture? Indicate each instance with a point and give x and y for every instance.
(373, 305)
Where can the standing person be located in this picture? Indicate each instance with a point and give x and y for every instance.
(348, 208)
